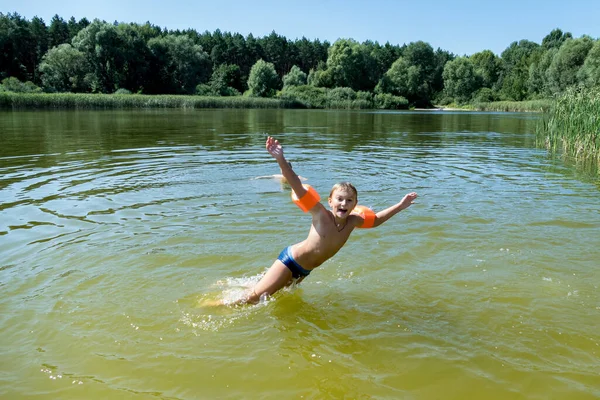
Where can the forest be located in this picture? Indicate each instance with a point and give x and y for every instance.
(127, 58)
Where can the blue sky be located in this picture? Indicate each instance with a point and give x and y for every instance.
(460, 26)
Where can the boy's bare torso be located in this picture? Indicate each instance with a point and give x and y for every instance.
(324, 239)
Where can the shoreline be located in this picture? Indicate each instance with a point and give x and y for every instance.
(15, 101)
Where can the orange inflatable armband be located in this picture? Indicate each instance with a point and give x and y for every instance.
(366, 214)
(308, 201)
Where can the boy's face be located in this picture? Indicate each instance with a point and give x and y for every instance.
(342, 202)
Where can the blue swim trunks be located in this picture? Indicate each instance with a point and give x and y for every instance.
(288, 260)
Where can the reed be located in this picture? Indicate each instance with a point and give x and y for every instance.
(572, 126)
(123, 101)
(514, 106)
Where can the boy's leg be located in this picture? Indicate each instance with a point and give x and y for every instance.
(276, 277)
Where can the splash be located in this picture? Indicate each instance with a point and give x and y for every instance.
(224, 305)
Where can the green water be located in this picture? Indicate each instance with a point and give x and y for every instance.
(115, 226)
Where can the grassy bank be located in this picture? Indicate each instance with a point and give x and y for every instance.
(572, 126)
(10, 100)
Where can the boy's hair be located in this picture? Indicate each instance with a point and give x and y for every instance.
(344, 186)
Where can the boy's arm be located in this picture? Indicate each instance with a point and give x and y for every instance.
(388, 213)
(276, 150)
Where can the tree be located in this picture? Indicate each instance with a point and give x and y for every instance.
(460, 79)
(180, 64)
(18, 52)
(402, 79)
(589, 74)
(100, 44)
(351, 65)
(320, 77)
(516, 60)
(136, 57)
(384, 56)
(263, 80)
(537, 83)
(441, 58)
(555, 39)
(39, 35)
(310, 54)
(565, 65)
(74, 27)
(65, 69)
(488, 66)
(276, 50)
(225, 80)
(12, 84)
(58, 31)
(422, 56)
(296, 77)
(413, 75)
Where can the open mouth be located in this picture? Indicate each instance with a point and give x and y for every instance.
(342, 211)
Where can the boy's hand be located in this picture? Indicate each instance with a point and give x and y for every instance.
(408, 200)
(274, 148)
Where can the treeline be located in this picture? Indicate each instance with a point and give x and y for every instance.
(100, 57)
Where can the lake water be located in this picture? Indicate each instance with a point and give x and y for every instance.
(115, 226)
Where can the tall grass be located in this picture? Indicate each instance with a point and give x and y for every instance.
(116, 101)
(514, 106)
(572, 126)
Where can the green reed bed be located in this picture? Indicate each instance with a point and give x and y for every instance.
(116, 101)
(515, 106)
(572, 126)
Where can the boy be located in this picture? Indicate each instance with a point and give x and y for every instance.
(329, 231)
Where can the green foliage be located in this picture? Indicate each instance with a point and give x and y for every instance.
(388, 101)
(58, 32)
(341, 98)
(224, 82)
(402, 79)
(555, 39)
(515, 71)
(537, 83)
(181, 64)
(12, 84)
(488, 66)
(65, 69)
(441, 58)
(263, 80)
(320, 77)
(485, 95)
(384, 56)
(341, 94)
(364, 96)
(460, 79)
(589, 74)
(351, 64)
(412, 75)
(307, 95)
(122, 91)
(421, 55)
(205, 89)
(103, 57)
(565, 65)
(18, 48)
(101, 45)
(296, 77)
(572, 125)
